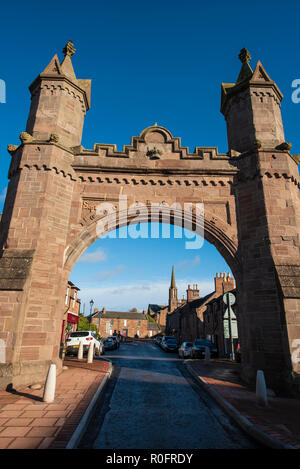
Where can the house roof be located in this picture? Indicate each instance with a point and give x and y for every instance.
(121, 315)
(213, 300)
(189, 305)
(71, 284)
(152, 326)
(156, 308)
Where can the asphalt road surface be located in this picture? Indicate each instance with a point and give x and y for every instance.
(152, 402)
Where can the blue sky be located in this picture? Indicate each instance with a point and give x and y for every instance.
(149, 62)
(125, 273)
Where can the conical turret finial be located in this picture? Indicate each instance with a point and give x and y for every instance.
(244, 56)
(69, 49)
(246, 71)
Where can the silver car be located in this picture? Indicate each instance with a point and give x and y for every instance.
(185, 350)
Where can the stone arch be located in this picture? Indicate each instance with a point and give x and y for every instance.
(250, 194)
(215, 231)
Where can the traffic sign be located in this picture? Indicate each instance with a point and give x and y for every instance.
(234, 330)
(229, 298)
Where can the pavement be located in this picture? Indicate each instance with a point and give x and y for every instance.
(276, 425)
(153, 403)
(26, 422)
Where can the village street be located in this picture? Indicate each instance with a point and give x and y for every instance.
(151, 401)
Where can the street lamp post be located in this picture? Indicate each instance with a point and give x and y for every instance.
(91, 304)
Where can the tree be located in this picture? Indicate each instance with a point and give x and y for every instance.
(133, 310)
(84, 325)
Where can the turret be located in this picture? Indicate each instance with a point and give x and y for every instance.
(59, 102)
(251, 107)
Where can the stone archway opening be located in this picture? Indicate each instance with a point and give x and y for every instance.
(99, 285)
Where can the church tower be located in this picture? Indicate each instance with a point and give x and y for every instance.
(173, 301)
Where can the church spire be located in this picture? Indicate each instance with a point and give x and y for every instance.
(173, 284)
(173, 301)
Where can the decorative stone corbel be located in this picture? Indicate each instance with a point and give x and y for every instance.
(11, 149)
(154, 153)
(284, 146)
(233, 153)
(54, 138)
(257, 144)
(25, 137)
(296, 158)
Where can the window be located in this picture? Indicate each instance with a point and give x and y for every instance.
(139, 324)
(112, 322)
(67, 294)
(138, 333)
(125, 322)
(107, 327)
(79, 334)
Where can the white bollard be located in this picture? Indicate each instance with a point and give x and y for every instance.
(49, 389)
(207, 355)
(90, 353)
(80, 350)
(261, 389)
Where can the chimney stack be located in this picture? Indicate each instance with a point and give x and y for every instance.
(189, 293)
(219, 283)
(195, 291)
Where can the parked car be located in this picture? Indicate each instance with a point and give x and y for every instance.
(198, 348)
(169, 344)
(109, 343)
(87, 337)
(102, 351)
(185, 350)
(158, 340)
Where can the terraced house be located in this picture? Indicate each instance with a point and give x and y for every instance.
(128, 323)
(186, 322)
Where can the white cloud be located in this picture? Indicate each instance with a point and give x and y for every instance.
(182, 265)
(126, 296)
(93, 257)
(106, 274)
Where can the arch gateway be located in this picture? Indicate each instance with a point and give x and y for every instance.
(251, 215)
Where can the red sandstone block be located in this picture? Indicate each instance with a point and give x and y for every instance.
(30, 353)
